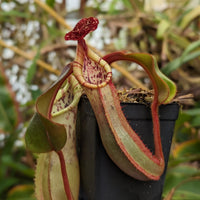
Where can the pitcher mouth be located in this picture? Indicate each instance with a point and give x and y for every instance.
(90, 70)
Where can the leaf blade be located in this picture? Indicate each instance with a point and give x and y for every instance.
(32, 69)
(51, 134)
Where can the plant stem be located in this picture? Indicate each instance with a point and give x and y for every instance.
(64, 175)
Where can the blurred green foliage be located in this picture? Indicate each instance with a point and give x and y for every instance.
(169, 30)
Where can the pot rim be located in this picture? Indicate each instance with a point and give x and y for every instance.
(139, 111)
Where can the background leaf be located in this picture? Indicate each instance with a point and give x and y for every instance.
(186, 190)
(32, 69)
(188, 55)
(178, 174)
(13, 13)
(22, 192)
(162, 28)
(50, 3)
(188, 148)
(189, 17)
(9, 115)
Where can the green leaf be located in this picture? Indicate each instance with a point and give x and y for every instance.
(193, 112)
(184, 58)
(14, 13)
(189, 17)
(188, 190)
(43, 134)
(171, 66)
(5, 184)
(35, 93)
(50, 3)
(112, 7)
(178, 174)
(191, 56)
(188, 148)
(21, 192)
(191, 47)
(17, 167)
(127, 4)
(32, 69)
(9, 115)
(195, 122)
(179, 40)
(162, 28)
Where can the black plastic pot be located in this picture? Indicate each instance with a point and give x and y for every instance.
(101, 179)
